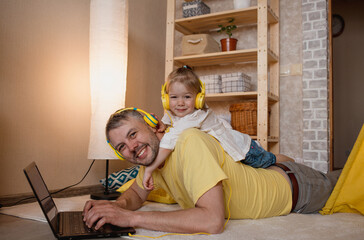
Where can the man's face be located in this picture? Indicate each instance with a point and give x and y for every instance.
(136, 141)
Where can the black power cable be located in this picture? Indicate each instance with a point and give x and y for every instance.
(58, 191)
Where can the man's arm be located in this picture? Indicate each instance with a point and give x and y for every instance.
(207, 216)
(131, 199)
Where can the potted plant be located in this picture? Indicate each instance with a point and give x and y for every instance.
(228, 44)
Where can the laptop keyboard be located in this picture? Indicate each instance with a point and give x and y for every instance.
(72, 223)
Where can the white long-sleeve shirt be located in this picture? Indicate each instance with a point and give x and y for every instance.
(235, 143)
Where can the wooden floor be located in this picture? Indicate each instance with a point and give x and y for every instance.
(13, 228)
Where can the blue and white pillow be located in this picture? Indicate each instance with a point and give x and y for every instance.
(117, 179)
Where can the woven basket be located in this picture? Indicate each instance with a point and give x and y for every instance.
(244, 117)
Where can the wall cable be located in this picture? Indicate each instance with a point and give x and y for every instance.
(58, 191)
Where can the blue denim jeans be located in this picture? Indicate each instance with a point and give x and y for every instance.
(257, 157)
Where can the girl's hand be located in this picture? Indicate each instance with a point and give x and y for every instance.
(148, 183)
(161, 127)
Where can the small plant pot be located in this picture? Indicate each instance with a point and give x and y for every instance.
(228, 44)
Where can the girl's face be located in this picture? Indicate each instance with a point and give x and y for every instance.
(181, 99)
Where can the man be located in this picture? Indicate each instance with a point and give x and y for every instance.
(204, 181)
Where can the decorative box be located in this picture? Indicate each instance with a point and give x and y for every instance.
(199, 44)
(235, 82)
(194, 8)
(212, 83)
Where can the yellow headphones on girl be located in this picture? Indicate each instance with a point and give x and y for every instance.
(200, 97)
(148, 118)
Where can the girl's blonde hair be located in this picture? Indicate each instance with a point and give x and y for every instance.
(187, 77)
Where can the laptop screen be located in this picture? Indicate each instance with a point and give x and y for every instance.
(42, 194)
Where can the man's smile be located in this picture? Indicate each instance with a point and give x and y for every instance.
(140, 151)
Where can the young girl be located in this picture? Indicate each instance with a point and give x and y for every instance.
(183, 97)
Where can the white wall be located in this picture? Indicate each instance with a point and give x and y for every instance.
(44, 87)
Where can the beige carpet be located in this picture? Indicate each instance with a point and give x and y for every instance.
(293, 226)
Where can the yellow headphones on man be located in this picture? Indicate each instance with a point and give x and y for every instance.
(148, 118)
(200, 97)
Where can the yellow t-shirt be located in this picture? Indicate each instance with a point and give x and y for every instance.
(198, 163)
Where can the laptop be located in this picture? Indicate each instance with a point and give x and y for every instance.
(68, 224)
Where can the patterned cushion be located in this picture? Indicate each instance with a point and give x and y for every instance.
(117, 179)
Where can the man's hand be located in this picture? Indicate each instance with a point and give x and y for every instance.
(97, 213)
(119, 213)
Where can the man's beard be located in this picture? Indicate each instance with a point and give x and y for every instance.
(153, 145)
(148, 161)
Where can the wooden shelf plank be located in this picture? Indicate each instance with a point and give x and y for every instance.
(220, 97)
(233, 96)
(206, 22)
(244, 55)
(271, 139)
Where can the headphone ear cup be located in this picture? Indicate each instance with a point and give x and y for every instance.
(121, 157)
(200, 100)
(165, 97)
(150, 120)
(200, 97)
(197, 102)
(117, 153)
(165, 101)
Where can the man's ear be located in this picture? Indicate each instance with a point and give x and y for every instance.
(156, 132)
(154, 129)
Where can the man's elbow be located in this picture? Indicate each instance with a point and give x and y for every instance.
(215, 226)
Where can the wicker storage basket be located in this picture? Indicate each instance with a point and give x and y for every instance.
(244, 117)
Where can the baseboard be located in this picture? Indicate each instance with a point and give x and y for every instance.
(10, 200)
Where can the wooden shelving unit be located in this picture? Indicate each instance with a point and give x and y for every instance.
(266, 56)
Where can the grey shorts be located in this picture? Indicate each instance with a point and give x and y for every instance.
(314, 187)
